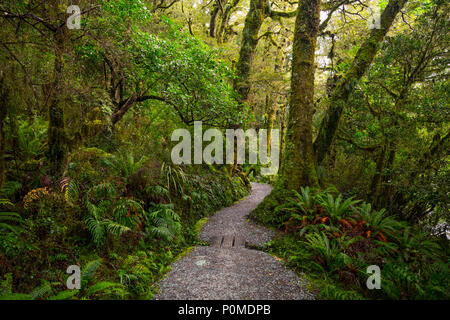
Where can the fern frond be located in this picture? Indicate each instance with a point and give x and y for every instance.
(97, 229)
(115, 228)
(64, 295)
(99, 287)
(90, 269)
(41, 291)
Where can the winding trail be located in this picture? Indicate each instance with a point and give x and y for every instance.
(227, 269)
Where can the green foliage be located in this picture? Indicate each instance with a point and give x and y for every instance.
(379, 220)
(174, 179)
(140, 271)
(334, 240)
(10, 221)
(10, 188)
(336, 208)
(100, 216)
(194, 80)
(334, 292)
(163, 222)
(31, 138)
(89, 289)
(50, 290)
(111, 97)
(124, 164)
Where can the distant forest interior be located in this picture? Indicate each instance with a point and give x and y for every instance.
(350, 98)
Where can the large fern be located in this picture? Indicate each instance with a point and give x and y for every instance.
(124, 164)
(9, 188)
(378, 220)
(163, 222)
(89, 270)
(107, 216)
(336, 207)
(128, 212)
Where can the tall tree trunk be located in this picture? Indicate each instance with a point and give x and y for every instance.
(282, 135)
(374, 189)
(383, 200)
(272, 104)
(213, 20)
(299, 164)
(299, 167)
(273, 99)
(57, 140)
(253, 21)
(3, 112)
(220, 34)
(345, 86)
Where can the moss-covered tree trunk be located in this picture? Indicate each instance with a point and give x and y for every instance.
(272, 107)
(221, 32)
(385, 185)
(213, 20)
(273, 99)
(3, 113)
(374, 189)
(57, 140)
(345, 86)
(253, 21)
(299, 167)
(283, 126)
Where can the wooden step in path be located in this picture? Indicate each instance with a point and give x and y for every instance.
(228, 241)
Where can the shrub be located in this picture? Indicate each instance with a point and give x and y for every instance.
(338, 239)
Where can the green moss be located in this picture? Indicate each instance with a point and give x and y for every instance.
(199, 225)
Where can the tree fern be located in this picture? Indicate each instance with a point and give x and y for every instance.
(96, 228)
(6, 218)
(115, 228)
(378, 220)
(72, 191)
(105, 216)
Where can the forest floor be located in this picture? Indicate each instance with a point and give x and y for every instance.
(229, 268)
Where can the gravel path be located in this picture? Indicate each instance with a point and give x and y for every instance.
(227, 269)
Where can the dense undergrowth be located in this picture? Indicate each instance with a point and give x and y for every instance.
(333, 240)
(122, 216)
(87, 116)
